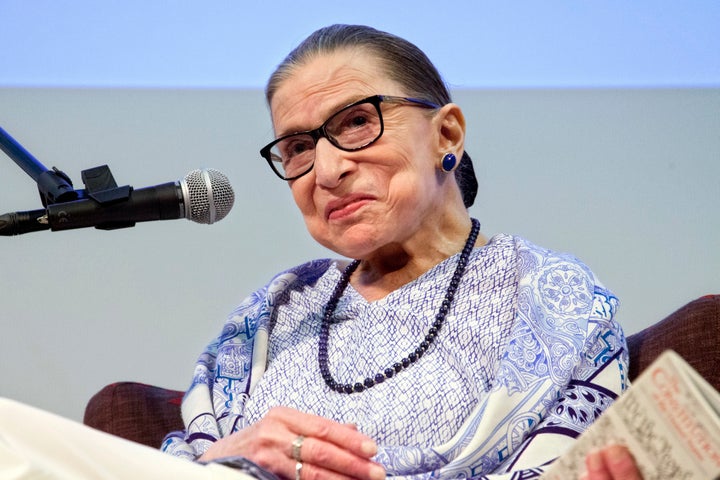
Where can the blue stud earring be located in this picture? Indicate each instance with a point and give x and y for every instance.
(449, 162)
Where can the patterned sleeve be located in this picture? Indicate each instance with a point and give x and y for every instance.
(597, 380)
(567, 337)
(229, 368)
(221, 379)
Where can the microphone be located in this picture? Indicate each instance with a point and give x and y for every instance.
(203, 196)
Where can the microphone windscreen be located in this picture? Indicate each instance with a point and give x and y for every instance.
(208, 195)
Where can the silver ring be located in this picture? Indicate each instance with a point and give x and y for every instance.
(296, 446)
(298, 470)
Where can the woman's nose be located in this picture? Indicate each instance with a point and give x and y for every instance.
(330, 165)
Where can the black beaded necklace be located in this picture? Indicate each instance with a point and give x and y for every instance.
(414, 355)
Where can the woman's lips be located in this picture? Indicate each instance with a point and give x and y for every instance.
(345, 206)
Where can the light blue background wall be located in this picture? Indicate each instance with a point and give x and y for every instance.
(475, 43)
(594, 128)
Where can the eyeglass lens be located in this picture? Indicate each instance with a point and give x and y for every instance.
(351, 128)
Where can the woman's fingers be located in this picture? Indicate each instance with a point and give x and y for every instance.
(621, 463)
(325, 448)
(313, 426)
(319, 455)
(611, 463)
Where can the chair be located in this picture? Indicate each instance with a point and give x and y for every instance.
(693, 331)
(135, 411)
(145, 413)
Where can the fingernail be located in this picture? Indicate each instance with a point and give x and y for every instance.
(377, 472)
(615, 454)
(369, 448)
(594, 460)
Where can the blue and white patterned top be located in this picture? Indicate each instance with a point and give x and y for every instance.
(528, 357)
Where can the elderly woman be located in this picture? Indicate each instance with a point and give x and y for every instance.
(436, 352)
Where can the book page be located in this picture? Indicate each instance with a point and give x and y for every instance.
(668, 419)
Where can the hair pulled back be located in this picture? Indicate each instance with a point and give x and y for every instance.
(403, 62)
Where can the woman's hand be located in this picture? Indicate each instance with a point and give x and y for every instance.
(611, 463)
(329, 449)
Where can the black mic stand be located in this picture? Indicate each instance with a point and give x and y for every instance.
(53, 184)
(55, 187)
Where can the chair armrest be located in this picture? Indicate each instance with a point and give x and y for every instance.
(135, 411)
(693, 331)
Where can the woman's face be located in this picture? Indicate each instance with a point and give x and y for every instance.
(357, 203)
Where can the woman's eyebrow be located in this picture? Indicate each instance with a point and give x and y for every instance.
(335, 108)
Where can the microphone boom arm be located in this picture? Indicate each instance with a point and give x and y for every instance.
(56, 188)
(54, 185)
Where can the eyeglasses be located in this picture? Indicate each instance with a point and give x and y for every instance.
(352, 128)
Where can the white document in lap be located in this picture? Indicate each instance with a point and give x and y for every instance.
(669, 419)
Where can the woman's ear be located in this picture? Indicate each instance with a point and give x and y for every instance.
(451, 124)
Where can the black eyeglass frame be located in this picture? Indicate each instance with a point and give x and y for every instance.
(317, 133)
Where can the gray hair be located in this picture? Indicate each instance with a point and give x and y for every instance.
(403, 62)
